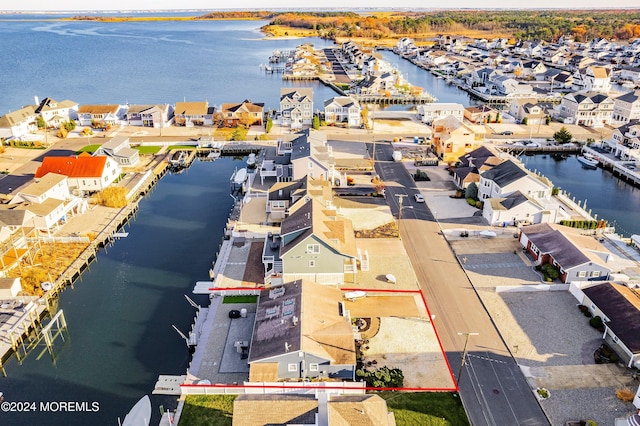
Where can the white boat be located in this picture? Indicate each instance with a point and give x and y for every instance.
(488, 234)
(251, 160)
(390, 278)
(46, 286)
(240, 176)
(140, 414)
(588, 160)
(353, 295)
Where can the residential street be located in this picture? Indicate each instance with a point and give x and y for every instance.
(492, 387)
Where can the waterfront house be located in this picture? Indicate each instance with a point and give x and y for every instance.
(281, 195)
(191, 114)
(527, 108)
(310, 155)
(19, 123)
(246, 113)
(9, 287)
(381, 84)
(590, 109)
(472, 164)
(592, 79)
(627, 107)
(276, 163)
(514, 209)
(452, 139)
(506, 86)
(49, 200)
(120, 150)
(533, 69)
(302, 409)
(315, 243)
(14, 226)
(560, 80)
(343, 109)
(156, 116)
(479, 114)
(509, 177)
(55, 113)
(296, 107)
(578, 257)
(431, 112)
(301, 331)
(625, 141)
(619, 308)
(102, 115)
(85, 173)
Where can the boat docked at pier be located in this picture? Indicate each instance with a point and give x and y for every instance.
(588, 161)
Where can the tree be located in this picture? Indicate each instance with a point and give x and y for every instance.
(69, 125)
(269, 125)
(246, 119)
(562, 135)
(471, 191)
(316, 122)
(40, 121)
(384, 377)
(547, 120)
(239, 134)
(525, 121)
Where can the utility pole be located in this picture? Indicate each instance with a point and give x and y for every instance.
(400, 198)
(464, 353)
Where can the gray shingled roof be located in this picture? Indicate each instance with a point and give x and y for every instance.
(505, 173)
(554, 242)
(513, 200)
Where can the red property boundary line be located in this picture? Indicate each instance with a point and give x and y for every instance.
(289, 386)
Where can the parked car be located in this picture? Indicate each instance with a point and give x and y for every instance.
(234, 313)
(419, 198)
(507, 133)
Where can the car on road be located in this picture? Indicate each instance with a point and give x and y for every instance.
(234, 313)
(507, 133)
(419, 198)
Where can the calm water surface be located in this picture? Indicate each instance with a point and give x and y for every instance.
(120, 313)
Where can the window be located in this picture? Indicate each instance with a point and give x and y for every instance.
(278, 204)
(595, 274)
(312, 264)
(313, 248)
(293, 367)
(313, 366)
(582, 274)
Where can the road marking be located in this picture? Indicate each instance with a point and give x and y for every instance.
(494, 265)
(486, 358)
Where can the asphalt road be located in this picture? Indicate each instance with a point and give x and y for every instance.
(492, 387)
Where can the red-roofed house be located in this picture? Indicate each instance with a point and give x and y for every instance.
(84, 172)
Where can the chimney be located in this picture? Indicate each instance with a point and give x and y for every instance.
(36, 100)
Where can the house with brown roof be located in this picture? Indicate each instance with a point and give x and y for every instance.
(479, 114)
(191, 114)
(578, 257)
(55, 113)
(302, 330)
(452, 139)
(245, 113)
(315, 244)
(300, 409)
(472, 164)
(85, 173)
(619, 308)
(19, 123)
(100, 115)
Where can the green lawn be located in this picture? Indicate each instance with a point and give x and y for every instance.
(89, 148)
(240, 299)
(205, 410)
(148, 149)
(426, 408)
(182, 147)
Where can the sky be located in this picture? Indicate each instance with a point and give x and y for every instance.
(89, 5)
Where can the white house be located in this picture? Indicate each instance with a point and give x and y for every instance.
(428, 113)
(507, 178)
(54, 113)
(310, 155)
(514, 209)
(589, 109)
(18, 123)
(49, 199)
(111, 115)
(296, 107)
(343, 109)
(119, 149)
(627, 107)
(9, 287)
(85, 173)
(593, 79)
(157, 116)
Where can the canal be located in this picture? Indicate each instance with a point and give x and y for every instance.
(121, 311)
(606, 195)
